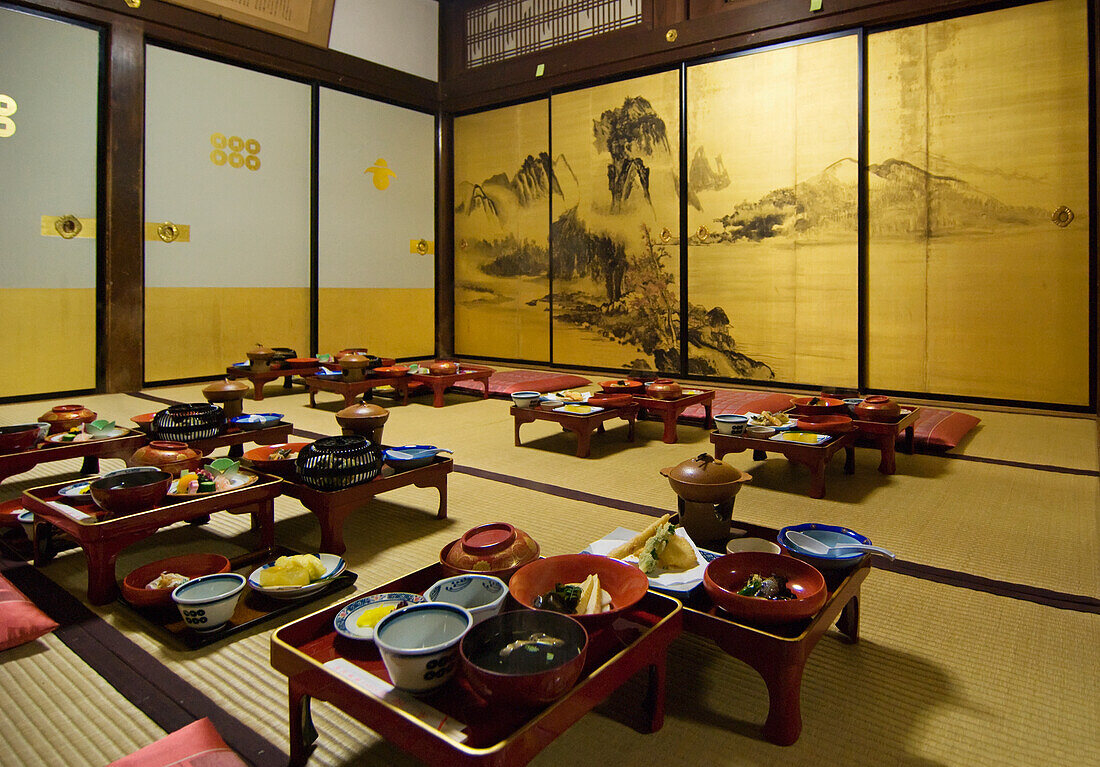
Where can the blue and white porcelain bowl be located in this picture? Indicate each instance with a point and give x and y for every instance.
(208, 602)
(256, 420)
(482, 595)
(830, 535)
(730, 423)
(419, 644)
(411, 456)
(526, 398)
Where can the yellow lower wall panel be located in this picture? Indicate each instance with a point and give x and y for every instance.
(36, 320)
(389, 322)
(191, 332)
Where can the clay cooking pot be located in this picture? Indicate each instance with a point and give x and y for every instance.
(704, 479)
(229, 393)
(260, 357)
(365, 420)
(664, 388)
(355, 366)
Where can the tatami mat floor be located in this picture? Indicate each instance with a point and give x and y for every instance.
(942, 675)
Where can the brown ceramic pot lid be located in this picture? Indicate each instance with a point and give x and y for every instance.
(704, 469)
(260, 352)
(225, 386)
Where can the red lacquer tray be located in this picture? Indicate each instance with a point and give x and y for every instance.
(492, 734)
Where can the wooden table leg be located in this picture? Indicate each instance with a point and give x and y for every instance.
(907, 445)
(404, 387)
(584, 441)
(486, 382)
(655, 694)
(302, 732)
(850, 460)
(517, 430)
(90, 465)
(707, 408)
(887, 463)
(437, 389)
(257, 389)
(312, 397)
(669, 418)
(349, 398)
(263, 521)
(817, 479)
(757, 455)
(784, 682)
(101, 570)
(848, 622)
(332, 529)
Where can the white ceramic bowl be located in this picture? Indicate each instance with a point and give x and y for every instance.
(759, 432)
(334, 565)
(525, 398)
(482, 595)
(419, 643)
(729, 423)
(752, 544)
(207, 602)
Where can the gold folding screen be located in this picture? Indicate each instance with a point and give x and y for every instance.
(978, 135)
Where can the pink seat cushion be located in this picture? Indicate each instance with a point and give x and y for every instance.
(940, 430)
(504, 382)
(20, 620)
(740, 401)
(195, 745)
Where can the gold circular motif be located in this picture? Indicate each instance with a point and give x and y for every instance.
(68, 226)
(422, 247)
(666, 235)
(236, 143)
(1062, 217)
(236, 160)
(218, 157)
(703, 233)
(252, 146)
(168, 232)
(252, 162)
(671, 35)
(463, 244)
(217, 140)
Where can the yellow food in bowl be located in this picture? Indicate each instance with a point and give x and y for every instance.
(370, 617)
(296, 570)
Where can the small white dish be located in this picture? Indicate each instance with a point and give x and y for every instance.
(334, 565)
(346, 621)
(752, 544)
(78, 492)
(482, 595)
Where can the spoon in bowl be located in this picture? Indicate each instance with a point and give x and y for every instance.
(814, 546)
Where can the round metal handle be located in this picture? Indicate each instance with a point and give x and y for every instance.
(168, 232)
(703, 233)
(68, 226)
(422, 247)
(666, 235)
(1062, 217)
(463, 244)
(671, 35)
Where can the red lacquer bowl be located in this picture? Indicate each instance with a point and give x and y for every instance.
(877, 408)
(625, 583)
(726, 575)
(825, 424)
(623, 386)
(497, 549)
(260, 458)
(820, 406)
(16, 438)
(301, 362)
(191, 565)
(391, 371)
(610, 400)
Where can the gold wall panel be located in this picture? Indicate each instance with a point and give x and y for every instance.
(47, 319)
(390, 322)
(773, 253)
(504, 180)
(978, 132)
(616, 294)
(192, 332)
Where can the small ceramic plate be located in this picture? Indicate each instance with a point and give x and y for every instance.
(805, 437)
(578, 409)
(755, 420)
(118, 431)
(565, 396)
(236, 482)
(59, 439)
(77, 492)
(346, 621)
(334, 565)
(690, 392)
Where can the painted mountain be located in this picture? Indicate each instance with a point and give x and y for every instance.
(496, 199)
(907, 201)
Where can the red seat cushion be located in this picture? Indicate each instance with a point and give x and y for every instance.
(741, 401)
(20, 620)
(503, 382)
(195, 745)
(940, 430)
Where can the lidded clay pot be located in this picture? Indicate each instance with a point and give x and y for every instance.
(64, 417)
(664, 388)
(877, 408)
(705, 479)
(172, 457)
(354, 366)
(364, 419)
(229, 393)
(497, 548)
(260, 357)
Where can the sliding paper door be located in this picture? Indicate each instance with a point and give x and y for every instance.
(376, 227)
(227, 212)
(504, 180)
(49, 118)
(979, 205)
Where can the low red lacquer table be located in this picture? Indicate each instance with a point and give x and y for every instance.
(813, 457)
(440, 383)
(104, 537)
(349, 390)
(670, 409)
(91, 451)
(332, 507)
(495, 735)
(884, 435)
(779, 653)
(261, 378)
(579, 423)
